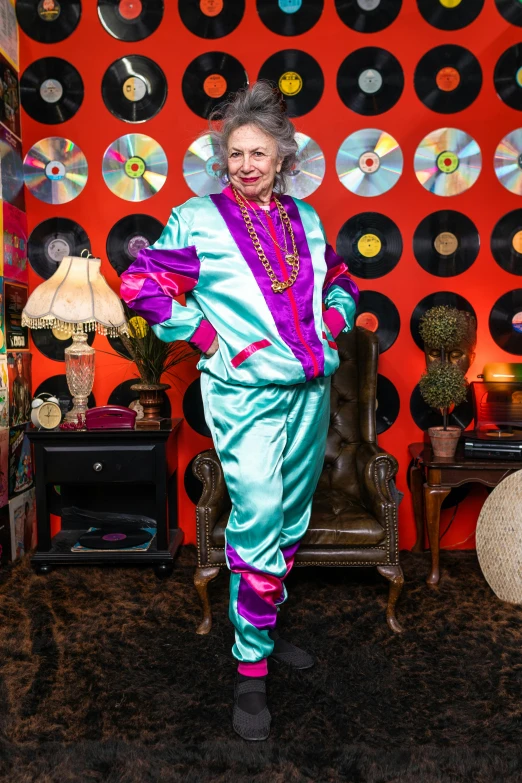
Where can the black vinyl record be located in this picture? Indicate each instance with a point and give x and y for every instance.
(134, 88)
(446, 243)
(446, 17)
(505, 322)
(48, 21)
(298, 76)
(130, 20)
(290, 17)
(388, 404)
(508, 76)
(128, 236)
(211, 18)
(511, 10)
(506, 242)
(368, 16)
(448, 78)
(209, 79)
(52, 343)
(370, 81)
(51, 240)
(57, 386)
(435, 300)
(51, 90)
(124, 395)
(371, 245)
(378, 314)
(424, 416)
(117, 537)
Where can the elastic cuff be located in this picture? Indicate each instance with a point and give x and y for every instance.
(334, 321)
(257, 669)
(204, 335)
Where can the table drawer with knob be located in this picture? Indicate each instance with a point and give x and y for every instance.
(90, 465)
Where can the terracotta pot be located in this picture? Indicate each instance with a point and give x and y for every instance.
(151, 398)
(444, 442)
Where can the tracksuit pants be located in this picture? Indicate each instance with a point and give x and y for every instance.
(271, 442)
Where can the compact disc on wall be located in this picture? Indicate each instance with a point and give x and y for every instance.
(308, 173)
(298, 76)
(448, 78)
(134, 167)
(201, 167)
(134, 88)
(370, 81)
(209, 78)
(369, 162)
(55, 170)
(51, 240)
(289, 17)
(506, 242)
(446, 243)
(211, 18)
(377, 313)
(368, 16)
(128, 236)
(48, 21)
(51, 90)
(435, 300)
(447, 162)
(130, 20)
(450, 14)
(371, 245)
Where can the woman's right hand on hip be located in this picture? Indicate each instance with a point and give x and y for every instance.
(213, 348)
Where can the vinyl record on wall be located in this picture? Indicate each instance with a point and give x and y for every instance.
(424, 416)
(135, 167)
(51, 240)
(51, 90)
(134, 88)
(388, 404)
(55, 170)
(209, 79)
(508, 76)
(57, 386)
(435, 300)
(505, 321)
(508, 162)
(368, 16)
(211, 18)
(130, 20)
(290, 17)
(370, 81)
(371, 245)
(450, 14)
(128, 236)
(506, 242)
(446, 243)
(53, 342)
(369, 162)
(193, 411)
(298, 76)
(511, 10)
(448, 78)
(378, 314)
(48, 21)
(447, 162)
(122, 394)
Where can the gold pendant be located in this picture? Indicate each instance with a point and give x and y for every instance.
(277, 287)
(290, 259)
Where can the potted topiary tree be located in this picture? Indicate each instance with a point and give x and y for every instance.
(443, 385)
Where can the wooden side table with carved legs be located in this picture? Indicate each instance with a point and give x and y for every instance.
(431, 480)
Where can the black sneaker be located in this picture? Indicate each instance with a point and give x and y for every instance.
(285, 652)
(250, 727)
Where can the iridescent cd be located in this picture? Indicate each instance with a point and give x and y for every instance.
(201, 167)
(55, 170)
(134, 167)
(447, 162)
(369, 162)
(508, 161)
(308, 173)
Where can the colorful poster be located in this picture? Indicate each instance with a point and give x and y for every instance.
(11, 169)
(4, 467)
(15, 299)
(19, 384)
(2, 325)
(9, 98)
(5, 537)
(4, 393)
(9, 32)
(20, 461)
(15, 243)
(22, 518)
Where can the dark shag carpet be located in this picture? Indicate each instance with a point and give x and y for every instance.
(102, 678)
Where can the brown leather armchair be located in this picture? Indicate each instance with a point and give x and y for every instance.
(354, 511)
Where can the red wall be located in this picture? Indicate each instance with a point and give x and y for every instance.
(91, 50)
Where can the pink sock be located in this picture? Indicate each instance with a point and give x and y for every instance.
(258, 669)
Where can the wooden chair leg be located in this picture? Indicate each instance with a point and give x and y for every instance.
(202, 577)
(396, 578)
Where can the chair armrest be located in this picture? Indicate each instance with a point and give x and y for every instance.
(214, 500)
(376, 469)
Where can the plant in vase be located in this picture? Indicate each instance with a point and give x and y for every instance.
(443, 385)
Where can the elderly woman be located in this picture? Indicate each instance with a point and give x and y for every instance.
(255, 269)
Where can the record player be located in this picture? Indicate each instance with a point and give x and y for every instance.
(497, 408)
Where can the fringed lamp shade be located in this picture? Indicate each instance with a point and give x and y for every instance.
(76, 298)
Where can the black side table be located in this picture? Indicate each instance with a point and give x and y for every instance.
(124, 471)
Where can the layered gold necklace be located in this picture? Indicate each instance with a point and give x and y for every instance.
(291, 258)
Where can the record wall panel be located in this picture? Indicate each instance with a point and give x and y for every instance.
(172, 47)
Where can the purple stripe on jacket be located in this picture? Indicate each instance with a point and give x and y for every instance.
(338, 274)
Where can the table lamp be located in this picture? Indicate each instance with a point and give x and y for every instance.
(76, 300)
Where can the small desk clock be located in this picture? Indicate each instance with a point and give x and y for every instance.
(46, 413)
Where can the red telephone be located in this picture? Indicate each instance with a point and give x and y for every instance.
(110, 417)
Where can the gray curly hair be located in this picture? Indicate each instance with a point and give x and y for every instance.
(257, 105)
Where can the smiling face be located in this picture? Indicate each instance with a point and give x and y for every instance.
(253, 163)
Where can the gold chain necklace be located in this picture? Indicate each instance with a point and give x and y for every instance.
(284, 250)
(277, 285)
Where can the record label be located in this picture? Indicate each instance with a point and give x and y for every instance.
(446, 243)
(134, 88)
(211, 7)
(136, 244)
(51, 90)
(447, 79)
(58, 249)
(370, 81)
(290, 83)
(517, 242)
(367, 321)
(299, 77)
(215, 85)
(49, 10)
(130, 9)
(369, 245)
